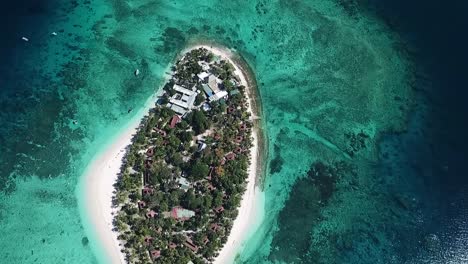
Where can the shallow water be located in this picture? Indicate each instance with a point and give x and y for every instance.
(327, 70)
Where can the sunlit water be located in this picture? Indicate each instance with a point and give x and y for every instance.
(327, 70)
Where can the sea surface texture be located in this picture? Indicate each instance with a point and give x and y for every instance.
(364, 109)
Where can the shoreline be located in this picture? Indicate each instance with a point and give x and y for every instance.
(97, 183)
(97, 189)
(250, 212)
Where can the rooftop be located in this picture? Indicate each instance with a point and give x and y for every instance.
(207, 90)
(203, 75)
(213, 83)
(181, 213)
(179, 110)
(218, 96)
(175, 119)
(234, 92)
(183, 90)
(184, 184)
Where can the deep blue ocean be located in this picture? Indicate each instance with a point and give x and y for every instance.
(432, 155)
(424, 168)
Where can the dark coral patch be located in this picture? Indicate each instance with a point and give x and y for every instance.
(172, 39)
(276, 164)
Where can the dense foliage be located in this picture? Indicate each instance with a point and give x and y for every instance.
(200, 166)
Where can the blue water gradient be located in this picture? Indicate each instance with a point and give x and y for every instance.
(409, 205)
(430, 160)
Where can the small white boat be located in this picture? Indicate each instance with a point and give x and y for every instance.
(137, 72)
(54, 34)
(25, 39)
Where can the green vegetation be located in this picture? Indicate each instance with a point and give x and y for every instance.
(183, 179)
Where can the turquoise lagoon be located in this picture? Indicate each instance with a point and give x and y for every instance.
(332, 79)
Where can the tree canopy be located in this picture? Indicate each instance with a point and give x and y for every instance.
(199, 170)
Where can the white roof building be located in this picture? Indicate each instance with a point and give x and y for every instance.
(218, 96)
(205, 66)
(183, 100)
(203, 76)
(184, 184)
(179, 110)
(183, 90)
(213, 83)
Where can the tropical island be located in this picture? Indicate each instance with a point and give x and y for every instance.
(183, 177)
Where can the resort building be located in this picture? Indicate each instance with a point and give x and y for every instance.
(183, 183)
(212, 90)
(218, 95)
(213, 83)
(181, 214)
(203, 76)
(182, 101)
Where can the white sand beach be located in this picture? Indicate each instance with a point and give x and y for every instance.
(100, 176)
(251, 208)
(97, 185)
(99, 189)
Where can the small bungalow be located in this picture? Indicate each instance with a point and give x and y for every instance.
(230, 156)
(238, 150)
(214, 227)
(189, 243)
(239, 139)
(150, 152)
(141, 204)
(151, 214)
(172, 245)
(160, 132)
(148, 240)
(155, 254)
(147, 191)
(175, 119)
(219, 209)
